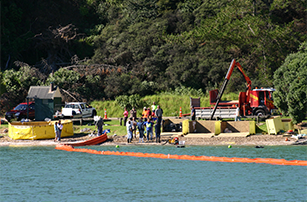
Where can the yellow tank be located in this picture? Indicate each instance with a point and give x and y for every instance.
(38, 130)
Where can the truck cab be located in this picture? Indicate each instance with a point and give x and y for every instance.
(261, 101)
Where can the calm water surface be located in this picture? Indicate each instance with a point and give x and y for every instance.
(46, 174)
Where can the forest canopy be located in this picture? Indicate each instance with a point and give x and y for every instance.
(101, 49)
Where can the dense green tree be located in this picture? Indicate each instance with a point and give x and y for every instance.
(290, 81)
(64, 78)
(121, 84)
(19, 81)
(258, 43)
(16, 83)
(91, 88)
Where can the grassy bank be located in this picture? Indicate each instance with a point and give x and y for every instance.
(113, 125)
(170, 104)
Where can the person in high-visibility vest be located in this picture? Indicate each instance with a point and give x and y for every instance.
(153, 109)
(144, 113)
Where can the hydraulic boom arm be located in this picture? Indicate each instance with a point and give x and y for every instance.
(248, 82)
(228, 75)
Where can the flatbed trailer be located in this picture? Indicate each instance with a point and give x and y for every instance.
(220, 113)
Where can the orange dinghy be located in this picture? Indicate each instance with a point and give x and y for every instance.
(94, 141)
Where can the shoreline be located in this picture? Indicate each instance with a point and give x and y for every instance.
(253, 140)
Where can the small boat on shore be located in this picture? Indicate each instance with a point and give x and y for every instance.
(94, 141)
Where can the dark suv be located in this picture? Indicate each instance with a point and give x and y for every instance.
(20, 112)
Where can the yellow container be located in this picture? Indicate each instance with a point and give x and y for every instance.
(237, 128)
(274, 126)
(185, 126)
(38, 130)
(287, 124)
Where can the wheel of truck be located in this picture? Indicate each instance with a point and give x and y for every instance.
(94, 113)
(260, 113)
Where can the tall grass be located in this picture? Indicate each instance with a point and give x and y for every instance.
(170, 103)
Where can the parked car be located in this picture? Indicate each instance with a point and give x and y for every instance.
(76, 110)
(20, 112)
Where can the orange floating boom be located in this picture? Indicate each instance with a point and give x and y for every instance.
(187, 157)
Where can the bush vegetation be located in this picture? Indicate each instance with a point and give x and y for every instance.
(291, 85)
(170, 103)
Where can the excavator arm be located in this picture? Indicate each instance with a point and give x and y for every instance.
(233, 64)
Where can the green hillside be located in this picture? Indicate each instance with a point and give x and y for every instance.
(101, 49)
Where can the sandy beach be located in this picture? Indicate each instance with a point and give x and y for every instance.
(253, 140)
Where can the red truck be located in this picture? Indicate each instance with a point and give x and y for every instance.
(257, 102)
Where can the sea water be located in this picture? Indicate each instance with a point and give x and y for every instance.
(45, 174)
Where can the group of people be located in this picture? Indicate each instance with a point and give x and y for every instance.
(150, 112)
(58, 127)
(151, 119)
